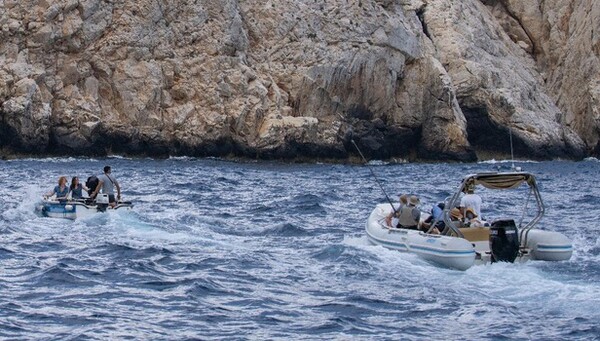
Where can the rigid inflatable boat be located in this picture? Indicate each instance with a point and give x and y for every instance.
(461, 247)
(80, 208)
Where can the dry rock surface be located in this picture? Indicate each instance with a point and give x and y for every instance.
(420, 79)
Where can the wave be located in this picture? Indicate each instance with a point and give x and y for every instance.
(263, 250)
(182, 158)
(68, 159)
(494, 161)
(121, 157)
(285, 230)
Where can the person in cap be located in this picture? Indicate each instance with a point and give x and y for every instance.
(470, 200)
(389, 220)
(107, 183)
(410, 215)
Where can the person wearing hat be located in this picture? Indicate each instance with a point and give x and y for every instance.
(396, 213)
(410, 215)
(456, 217)
(471, 219)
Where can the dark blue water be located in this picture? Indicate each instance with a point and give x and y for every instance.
(223, 250)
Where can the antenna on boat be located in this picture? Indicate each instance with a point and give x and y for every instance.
(512, 155)
(374, 176)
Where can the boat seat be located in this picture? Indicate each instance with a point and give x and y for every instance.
(476, 234)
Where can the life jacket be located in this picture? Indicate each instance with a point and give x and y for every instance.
(406, 218)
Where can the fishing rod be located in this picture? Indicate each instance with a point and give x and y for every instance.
(374, 176)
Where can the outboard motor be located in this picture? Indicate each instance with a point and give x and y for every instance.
(504, 241)
(102, 202)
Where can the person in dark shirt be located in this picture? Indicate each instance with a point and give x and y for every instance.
(77, 188)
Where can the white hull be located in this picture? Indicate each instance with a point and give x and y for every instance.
(460, 253)
(76, 209)
(447, 251)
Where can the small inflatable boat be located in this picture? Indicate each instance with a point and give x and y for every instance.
(80, 208)
(461, 247)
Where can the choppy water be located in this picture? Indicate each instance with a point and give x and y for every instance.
(222, 250)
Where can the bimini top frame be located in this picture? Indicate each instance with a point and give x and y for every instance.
(499, 181)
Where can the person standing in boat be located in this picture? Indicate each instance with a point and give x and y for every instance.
(61, 191)
(395, 214)
(410, 215)
(77, 188)
(470, 200)
(107, 183)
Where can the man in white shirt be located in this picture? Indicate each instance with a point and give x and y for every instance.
(470, 200)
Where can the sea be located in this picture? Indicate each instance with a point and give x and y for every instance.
(218, 249)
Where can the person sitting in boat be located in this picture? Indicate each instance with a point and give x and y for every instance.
(436, 216)
(470, 200)
(410, 215)
(106, 183)
(456, 217)
(392, 218)
(472, 220)
(77, 188)
(61, 191)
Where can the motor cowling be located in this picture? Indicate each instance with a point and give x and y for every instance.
(504, 241)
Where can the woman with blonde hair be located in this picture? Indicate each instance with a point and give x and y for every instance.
(61, 191)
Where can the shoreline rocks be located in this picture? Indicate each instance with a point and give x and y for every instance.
(417, 80)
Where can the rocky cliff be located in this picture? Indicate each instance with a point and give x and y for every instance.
(436, 79)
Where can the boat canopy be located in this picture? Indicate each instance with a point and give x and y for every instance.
(496, 181)
(500, 181)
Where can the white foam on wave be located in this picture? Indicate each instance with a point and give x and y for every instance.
(119, 157)
(527, 285)
(522, 285)
(182, 158)
(494, 161)
(21, 205)
(356, 241)
(378, 163)
(127, 227)
(391, 259)
(53, 159)
(583, 249)
(591, 159)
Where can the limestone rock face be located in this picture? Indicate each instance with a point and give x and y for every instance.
(567, 52)
(282, 79)
(498, 86)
